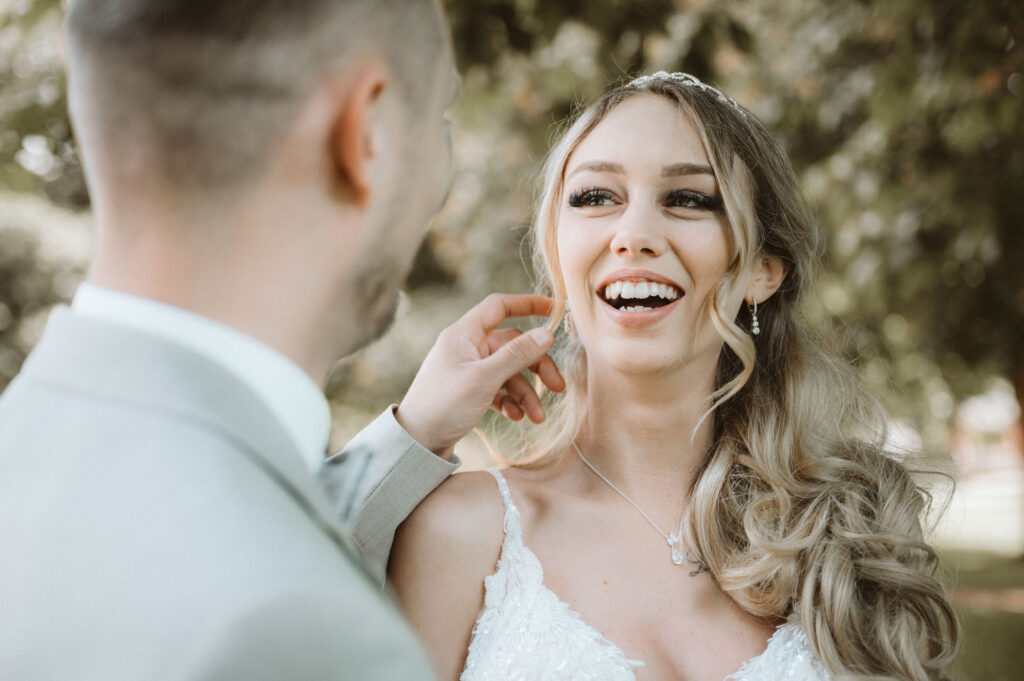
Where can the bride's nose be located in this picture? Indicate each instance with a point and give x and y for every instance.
(637, 234)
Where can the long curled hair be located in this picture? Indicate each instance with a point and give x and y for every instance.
(797, 505)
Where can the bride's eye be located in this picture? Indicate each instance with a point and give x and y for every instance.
(687, 198)
(591, 197)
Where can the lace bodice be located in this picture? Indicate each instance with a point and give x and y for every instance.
(526, 633)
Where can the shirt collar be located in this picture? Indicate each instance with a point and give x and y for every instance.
(285, 388)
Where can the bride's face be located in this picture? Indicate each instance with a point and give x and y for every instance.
(642, 238)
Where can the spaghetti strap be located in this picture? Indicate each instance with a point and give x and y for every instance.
(511, 523)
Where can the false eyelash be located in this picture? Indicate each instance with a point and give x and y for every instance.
(577, 199)
(703, 201)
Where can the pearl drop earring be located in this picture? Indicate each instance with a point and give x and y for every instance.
(755, 328)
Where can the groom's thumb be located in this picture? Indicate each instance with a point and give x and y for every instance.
(523, 351)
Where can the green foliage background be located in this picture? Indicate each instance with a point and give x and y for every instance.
(903, 117)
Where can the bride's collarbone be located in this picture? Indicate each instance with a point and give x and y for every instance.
(639, 592)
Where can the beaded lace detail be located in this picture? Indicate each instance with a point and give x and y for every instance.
(526, 633)
(788, 656)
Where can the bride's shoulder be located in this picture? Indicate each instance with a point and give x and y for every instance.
(463, 517)
(463, 497)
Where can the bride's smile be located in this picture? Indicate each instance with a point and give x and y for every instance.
(635, 298)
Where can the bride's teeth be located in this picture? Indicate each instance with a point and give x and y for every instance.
(639, 290)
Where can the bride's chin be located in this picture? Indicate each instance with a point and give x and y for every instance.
(633, 361)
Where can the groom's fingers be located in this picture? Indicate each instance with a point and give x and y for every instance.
(545, 367)
(495, 339)
(517, 354)
(521, 390)
(548, 372)
(492, 312)
(506, 405)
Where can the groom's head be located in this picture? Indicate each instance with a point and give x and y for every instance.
(329, 112)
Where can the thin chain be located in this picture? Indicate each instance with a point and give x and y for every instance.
(632, 503)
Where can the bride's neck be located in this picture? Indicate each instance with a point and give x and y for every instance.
(646, 432)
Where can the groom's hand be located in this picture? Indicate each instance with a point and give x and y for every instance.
(474, 366)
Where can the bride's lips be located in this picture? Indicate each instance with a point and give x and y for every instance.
(635, 320)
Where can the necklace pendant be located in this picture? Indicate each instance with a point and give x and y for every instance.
(672, 540)
(677, 557)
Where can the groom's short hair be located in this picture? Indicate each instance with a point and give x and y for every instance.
(207, 86)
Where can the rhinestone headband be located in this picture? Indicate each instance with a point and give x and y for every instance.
(689, 81)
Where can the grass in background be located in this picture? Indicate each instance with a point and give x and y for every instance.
(988, 590)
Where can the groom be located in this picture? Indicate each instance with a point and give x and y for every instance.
(261, 175)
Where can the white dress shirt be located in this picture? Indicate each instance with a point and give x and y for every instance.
(287, 390)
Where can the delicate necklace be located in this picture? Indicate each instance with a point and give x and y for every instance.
(671, 538)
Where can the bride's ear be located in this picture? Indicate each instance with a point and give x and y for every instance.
(352, 145)
(769, 273)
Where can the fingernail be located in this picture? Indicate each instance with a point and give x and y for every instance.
(541, 336)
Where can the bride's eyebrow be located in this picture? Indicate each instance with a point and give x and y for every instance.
(679, 169)
(599, 167)
(674, 170)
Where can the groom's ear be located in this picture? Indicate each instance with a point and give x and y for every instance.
(352, 143)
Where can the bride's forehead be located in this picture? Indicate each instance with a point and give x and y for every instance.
(641, 129)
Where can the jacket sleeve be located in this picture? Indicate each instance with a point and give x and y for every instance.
(377, 480)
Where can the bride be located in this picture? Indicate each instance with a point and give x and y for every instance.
(709, 497)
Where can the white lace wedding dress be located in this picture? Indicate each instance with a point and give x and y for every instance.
(526, 633)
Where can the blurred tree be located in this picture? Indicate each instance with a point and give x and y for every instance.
(37, 152)
(910, 128)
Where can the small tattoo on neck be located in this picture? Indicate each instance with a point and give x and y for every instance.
(696, 562)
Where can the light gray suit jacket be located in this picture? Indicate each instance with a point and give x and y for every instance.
(157, 522)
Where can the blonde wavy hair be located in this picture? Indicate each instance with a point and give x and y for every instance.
(797, 504)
